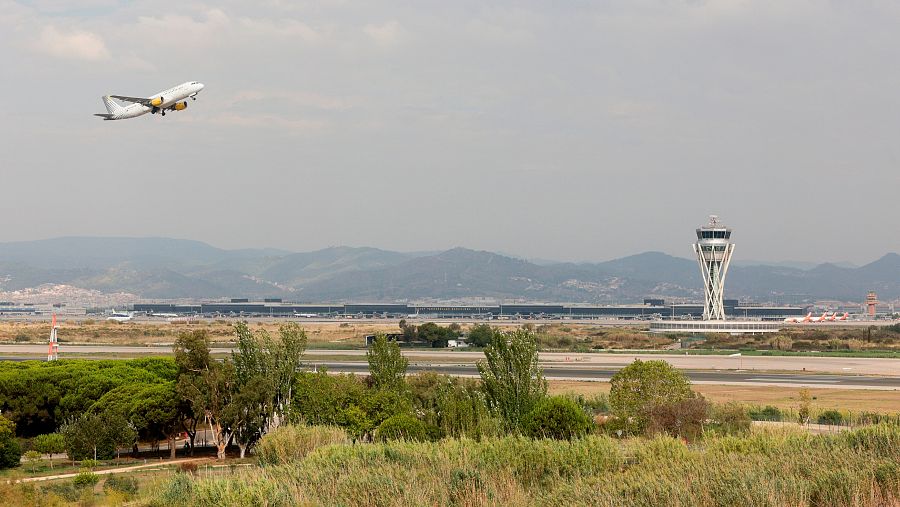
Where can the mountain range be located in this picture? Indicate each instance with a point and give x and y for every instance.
(162, 268)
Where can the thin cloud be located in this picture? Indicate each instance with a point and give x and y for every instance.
(72, 45)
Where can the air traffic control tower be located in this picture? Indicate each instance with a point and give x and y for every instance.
(713, 249)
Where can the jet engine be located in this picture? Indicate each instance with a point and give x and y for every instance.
(180, 105)
(156, 102)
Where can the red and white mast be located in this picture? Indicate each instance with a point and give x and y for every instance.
(53, 349)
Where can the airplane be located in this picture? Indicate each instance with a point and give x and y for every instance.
(172, 99)
(800, 320)
(835, 318)
(823, 318)
(120, 317)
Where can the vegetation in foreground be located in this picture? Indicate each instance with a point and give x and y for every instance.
(778, 468)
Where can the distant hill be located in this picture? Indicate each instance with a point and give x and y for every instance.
(162, 268)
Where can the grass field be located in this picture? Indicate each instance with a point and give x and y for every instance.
(781, 397)
(772, 466)
(849, 342)
(331, 334)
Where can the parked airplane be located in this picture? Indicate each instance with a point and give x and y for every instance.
(835, 318)
(120, 316)
(799, 320)
(823, 318)
(172, 99)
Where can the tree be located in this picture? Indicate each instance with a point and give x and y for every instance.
(247, 413)
(642, 385)
(209, 393)
(120, 431)
(480, 335)
(387, 366)
(97, 436)
(436, 335)
(32, 457)
(153, 410)
(85, 439)
(264, 371)
(50, 444)
(557, 417)
(512, 380)
(10, 450)
(192, 357)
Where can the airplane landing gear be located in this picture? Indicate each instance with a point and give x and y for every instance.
(163, 113)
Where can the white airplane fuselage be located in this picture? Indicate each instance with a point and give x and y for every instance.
(171, 99)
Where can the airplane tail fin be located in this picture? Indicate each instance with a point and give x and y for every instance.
(111, 105)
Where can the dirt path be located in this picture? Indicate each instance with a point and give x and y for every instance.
(105, 472)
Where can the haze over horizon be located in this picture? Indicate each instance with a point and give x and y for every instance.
(566, 132)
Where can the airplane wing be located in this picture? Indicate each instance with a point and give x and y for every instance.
(136, 100)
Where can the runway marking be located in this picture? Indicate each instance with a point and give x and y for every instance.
(793, 380)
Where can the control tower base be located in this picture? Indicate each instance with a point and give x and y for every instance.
(714, 326)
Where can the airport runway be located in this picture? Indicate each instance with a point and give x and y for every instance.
(785, 371)
(801, 364)
(736, 377)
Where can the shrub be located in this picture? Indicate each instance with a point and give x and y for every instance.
(402, 427)
(176, 491)
(188, 467)
(124, 484)
(86, 479)
(682, 419)
(557, 417)
(768, 413)
(639, 387)
(732, 419)
(832, 417)
(68, 491)
(292, 443)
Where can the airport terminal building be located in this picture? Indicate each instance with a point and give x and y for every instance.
(650, 310)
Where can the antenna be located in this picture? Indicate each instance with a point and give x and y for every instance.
(53, 348)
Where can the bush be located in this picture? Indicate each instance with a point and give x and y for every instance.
(832, 417)
(402, 427)
(683, 419)
(286, 444)
(643, 387)
(128, 486)
(177, 491)
(769, 413)
(557, 417)
(86, 479)
(732, 419)
(188, 467)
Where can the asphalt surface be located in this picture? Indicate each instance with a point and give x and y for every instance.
(785, 371)
(736, 377)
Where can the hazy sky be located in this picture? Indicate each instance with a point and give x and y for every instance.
(565, 130)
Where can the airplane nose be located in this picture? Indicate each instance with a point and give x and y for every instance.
(201, 85)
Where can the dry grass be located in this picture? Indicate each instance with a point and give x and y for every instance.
(781, 397)
(143, 333)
